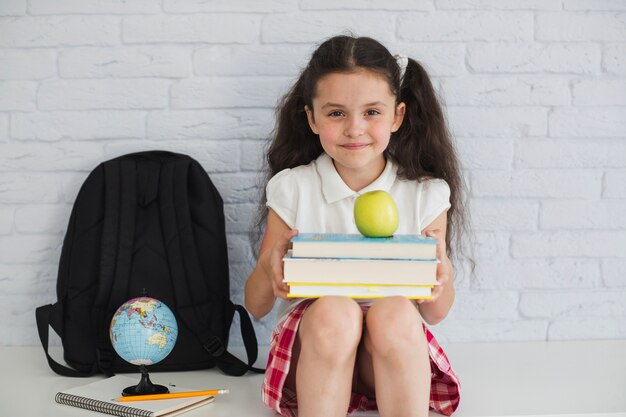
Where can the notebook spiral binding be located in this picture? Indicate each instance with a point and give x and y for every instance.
(100, 406)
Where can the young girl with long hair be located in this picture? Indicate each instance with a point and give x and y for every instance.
(357, 119)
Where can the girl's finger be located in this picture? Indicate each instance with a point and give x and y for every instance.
(277, 271)
(280, 292)
(442, 279)
(289, 234)
(435, 235)
(441, 248)
(437, 292)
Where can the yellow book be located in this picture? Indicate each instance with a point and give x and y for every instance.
(359, 291)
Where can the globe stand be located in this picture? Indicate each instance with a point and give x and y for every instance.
(145, 386)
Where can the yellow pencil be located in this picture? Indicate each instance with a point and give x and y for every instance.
(171, 395)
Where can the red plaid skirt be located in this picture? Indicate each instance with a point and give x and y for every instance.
(444, 389)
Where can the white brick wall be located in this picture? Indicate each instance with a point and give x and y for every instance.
(535, 93)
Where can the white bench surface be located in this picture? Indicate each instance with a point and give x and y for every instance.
(546, 379)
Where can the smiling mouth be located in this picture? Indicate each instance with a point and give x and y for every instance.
(354, 146)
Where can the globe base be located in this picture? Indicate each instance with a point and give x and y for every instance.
(145, 386)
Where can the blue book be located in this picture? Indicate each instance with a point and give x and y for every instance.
(333, 245)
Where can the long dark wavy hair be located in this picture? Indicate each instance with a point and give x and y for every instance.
(422, 147)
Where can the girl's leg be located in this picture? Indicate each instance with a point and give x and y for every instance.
(323, 357)
(393, 360)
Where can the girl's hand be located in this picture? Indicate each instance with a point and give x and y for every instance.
(444, 267)
(273, 263)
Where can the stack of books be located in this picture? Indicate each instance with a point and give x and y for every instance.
(356, 266)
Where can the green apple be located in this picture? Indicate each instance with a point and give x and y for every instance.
(376, 214)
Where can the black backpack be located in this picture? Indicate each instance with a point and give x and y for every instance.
(146, 222)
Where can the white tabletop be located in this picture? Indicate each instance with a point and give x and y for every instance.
(498, 379)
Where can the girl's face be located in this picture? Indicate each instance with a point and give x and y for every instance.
(354, 115)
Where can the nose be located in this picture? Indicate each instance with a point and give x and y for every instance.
(354, 127)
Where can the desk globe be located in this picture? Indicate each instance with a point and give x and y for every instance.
(143, 332)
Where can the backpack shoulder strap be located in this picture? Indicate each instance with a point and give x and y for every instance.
(43, 317)
(52, 315)
(183, 258)
(115, 251)
(232, 365)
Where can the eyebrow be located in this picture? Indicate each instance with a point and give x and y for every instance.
(372, 104)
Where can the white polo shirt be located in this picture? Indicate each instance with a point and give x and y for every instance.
(314, 199)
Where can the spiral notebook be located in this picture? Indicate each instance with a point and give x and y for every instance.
(99, 395)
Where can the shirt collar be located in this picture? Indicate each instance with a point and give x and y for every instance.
(333, 187)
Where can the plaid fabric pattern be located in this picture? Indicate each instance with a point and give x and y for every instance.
(444, 390)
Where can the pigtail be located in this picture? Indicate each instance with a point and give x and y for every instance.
(294, 143)
(423, 146)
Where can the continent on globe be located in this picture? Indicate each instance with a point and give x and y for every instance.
(158, 339)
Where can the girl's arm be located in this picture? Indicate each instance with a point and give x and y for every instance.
(265, 283)
(437, 308)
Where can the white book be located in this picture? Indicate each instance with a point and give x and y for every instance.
(360, 271)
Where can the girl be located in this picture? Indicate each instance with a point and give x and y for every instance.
(356, 120)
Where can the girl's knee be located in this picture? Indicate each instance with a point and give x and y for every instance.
(332, 326)
(394, 323)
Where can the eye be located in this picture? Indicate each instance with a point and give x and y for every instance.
(335, 113)
(372, 112)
